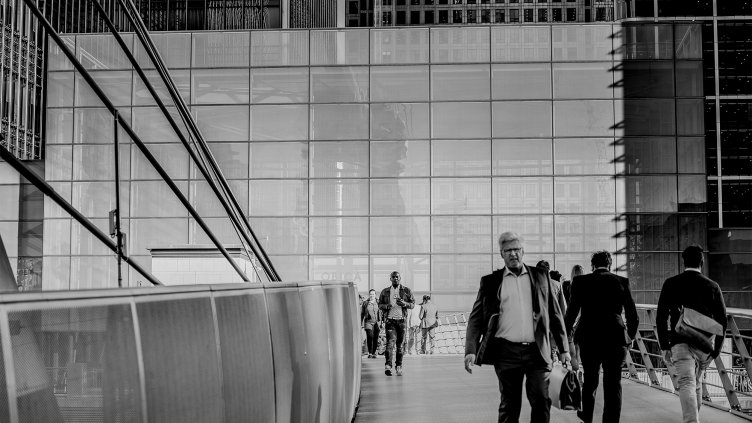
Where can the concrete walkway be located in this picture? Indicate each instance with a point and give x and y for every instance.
(437, 389)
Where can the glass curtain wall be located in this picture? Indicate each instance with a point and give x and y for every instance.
(361, 152)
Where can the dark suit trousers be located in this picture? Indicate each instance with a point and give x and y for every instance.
(611, 358)
(518, 361)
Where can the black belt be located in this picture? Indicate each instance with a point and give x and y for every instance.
(524, 344)
(396, 320)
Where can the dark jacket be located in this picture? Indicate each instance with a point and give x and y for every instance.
(547, 316)
(385, 303)
(599, 298)
(366, 319)
(696, 291)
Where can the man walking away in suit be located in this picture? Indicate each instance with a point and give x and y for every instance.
(528, 313)
(599, 299)
(693, 290)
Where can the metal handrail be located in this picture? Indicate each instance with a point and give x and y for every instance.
(727, 377)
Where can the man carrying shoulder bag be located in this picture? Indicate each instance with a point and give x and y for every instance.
(691, 320)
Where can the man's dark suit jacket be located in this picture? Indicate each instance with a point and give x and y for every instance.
(547, 316)
(600, 297)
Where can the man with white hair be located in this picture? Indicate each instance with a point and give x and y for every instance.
(509, 327)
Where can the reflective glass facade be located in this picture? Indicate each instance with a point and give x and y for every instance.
(360, 152)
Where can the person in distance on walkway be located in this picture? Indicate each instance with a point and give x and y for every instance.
(429, 321)
(412, 338)
(394, 302)
(599, 298)
(693, 290)
(370, 316)
(518, 345)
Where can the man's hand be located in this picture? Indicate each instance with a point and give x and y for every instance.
(667, 356)
(469, 360)
(400, 302)
(566, 358)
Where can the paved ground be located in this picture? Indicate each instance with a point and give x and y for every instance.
(437, 389)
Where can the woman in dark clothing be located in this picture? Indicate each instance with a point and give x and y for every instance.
(369, 320)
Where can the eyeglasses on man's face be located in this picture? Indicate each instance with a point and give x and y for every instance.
(512, 250)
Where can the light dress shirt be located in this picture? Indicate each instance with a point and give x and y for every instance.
(516, 308)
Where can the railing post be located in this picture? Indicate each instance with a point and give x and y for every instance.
(727, 385)
(644, 353)
(739, 342)
(630, 364)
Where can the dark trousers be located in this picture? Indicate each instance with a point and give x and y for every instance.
(372, 339)
(395, 340)
(611, 358)
(517, 361)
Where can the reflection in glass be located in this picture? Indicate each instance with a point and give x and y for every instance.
(291, 268)
(341, 268)
(339, 197)
(84, 243)
(648, 78)
(521, 157)
(400, 158)
(152, 126)
(522, 119)
(94, 126)
(691, 154)
(583, 80)
(584, 194)
(513, 81)
(287, 235)
(222, 123)
(585, 233)
(56, 59)
(645, 117)
(400, 235)
(689, 79)
(415, 271)
(650, 194)
(93, 272)
(58, 163)
(172, 157)
(223, 230)
(522, 195)
(279, 160)
(339, 84)
(56, 239)
(279, 48)
(206, 203)
(156, 199)
(60, 89)
(339, 159)
(220, 86)
(647, 155)
(458, 272)
(648, 42)
(400, 196)
(339, 235)
(403, 45)
(520, 44)
(116, 85)
(279, 85)
(102, 51)
(279, 122)
(460, 120)
(339, 121)
(535, 230)
(581, 42)
(278, 198)
(690, 117)
(232, 159)
(96, 199)
(96, 162)
(461, 234)
(399, 83)
(174, 48)
(59, 126)
(587, 118)
(688, 41)
(399, 121)
(460, 44)
(461, 158)
(154, 233)
(461, 196)
(339, 47)
(142, 96)
(217, 49)
(459, 82)
(584, 156)
(692, 195)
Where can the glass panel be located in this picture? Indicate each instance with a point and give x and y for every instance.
(399, 121)
(339, 197)
(291, 268)
(648, 155)
(279, 160)
(586, 194)
(652, 232)
(460, 82)
(415, 272)
(458, 272)
(156, 233)
(461, 234)
(206, 203)
(93, 126)
(339, 121)
(691, 117)
(645, 117)
(399, 235)
(522, 195)
(222, 123)
(582, 42)
(60, 89)
(535, 231)
(59, 126)
(521, 157)
(339, 84)
(279, 198)
(58, 163)
(520, 44)
(56, 59)
(96, 199)
(692, 193)
(142, 96)
(152, 126)
(650, 194)
(278, 123)
(461, 120)
(282, 235)
(220, 49)
(343, 47)
(461, 196)
(220, 86)
(689, 78)
(339, 235)
(688, 41)
(583, 80)
(102, 51)
(584, 156)
(399, 83)
(94, 162)
(56, 239)
(279, 48)
(223, 230)
(584, 118)
(232, 159)
(461, 158)
(116, 85)
(648, 42)
(521, 81)
(279, 85)
(585, 233)
(648, 79)
(156, 199)
(172, 157)
(82, 242)
(340, 159)
(173, 47)
(522, 119)
(400, 158)
(691, 152)
(341, 268)
(400, 196)
(403, 45)
(51, 209)
(463, 44)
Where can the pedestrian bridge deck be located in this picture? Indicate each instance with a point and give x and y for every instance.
(437, 389)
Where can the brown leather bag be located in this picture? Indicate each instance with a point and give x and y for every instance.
(698, 329)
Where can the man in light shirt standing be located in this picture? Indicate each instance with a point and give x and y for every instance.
(517, 343)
